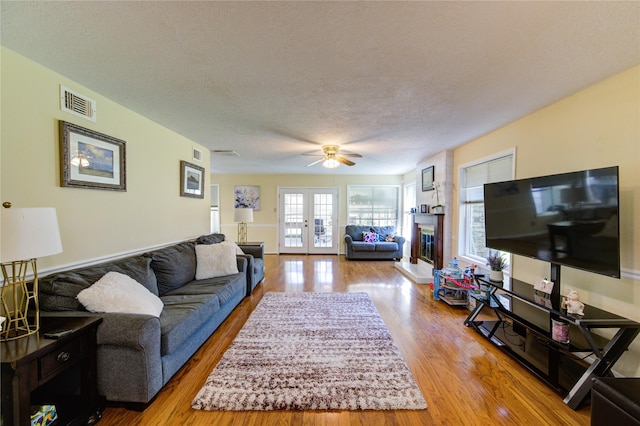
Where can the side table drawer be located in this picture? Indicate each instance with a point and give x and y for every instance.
(61, 358)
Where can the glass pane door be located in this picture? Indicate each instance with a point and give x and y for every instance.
(308, 220)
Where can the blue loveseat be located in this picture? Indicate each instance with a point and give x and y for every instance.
(356, 248)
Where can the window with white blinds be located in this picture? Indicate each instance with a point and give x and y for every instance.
(472, 180)
(373, 205)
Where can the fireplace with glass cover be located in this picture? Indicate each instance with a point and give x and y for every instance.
(427, 239)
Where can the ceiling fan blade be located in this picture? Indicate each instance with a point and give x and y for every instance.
(313, 155)
(316, 162)
(345, 161)
(351, 155)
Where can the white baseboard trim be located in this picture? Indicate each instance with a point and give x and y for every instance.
(630, 273)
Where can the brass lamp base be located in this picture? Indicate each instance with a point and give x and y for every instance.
(16, 298)
(242, 232)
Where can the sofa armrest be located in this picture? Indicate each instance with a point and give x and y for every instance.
(255, 251)
(128, 352)
(400, 240)
(243, 263)
(348, 239)
(120, 329)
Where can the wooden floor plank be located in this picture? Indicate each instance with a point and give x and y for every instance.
(465, 379)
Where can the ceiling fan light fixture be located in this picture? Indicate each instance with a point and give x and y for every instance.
(330, 163)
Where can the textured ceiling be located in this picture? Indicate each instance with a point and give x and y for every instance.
(393, 81)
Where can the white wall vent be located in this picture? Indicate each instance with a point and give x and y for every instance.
(197, 154)
(77, 104)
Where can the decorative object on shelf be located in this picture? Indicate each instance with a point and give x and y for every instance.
(424, 208)
(242, 215)
(437, 208)
(427, 179)
(191, 180)
(496, 262)
(91, 159)
(571, 302)
(27, 233)
(560, 331)
(247, 196)
(544, 285)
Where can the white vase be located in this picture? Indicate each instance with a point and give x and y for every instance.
(496, 276)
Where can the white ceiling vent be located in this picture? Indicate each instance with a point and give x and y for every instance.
(77, 104)
(225, 152)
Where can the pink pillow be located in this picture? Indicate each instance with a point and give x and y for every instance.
(370, 237)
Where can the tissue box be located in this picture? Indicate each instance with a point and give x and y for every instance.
(43, 415)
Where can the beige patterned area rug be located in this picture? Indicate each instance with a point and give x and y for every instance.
(312, 351)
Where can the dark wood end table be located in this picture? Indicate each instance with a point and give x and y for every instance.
(62, 372)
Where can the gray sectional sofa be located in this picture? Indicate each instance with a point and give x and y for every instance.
(356, 248)
(137, 354)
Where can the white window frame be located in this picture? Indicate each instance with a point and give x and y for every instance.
(398, 217)
(462, 211)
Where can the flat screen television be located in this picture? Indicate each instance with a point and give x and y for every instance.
(567, 219)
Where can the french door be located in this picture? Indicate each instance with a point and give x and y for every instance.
(308, 220)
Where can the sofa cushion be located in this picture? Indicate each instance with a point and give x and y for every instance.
(116, 292)
(386, 246)
(187, 308)
(174, 266)
(215, 260)
(355, 231)
(362, 246)
(383, 231)
(58, 291)
(210, 239)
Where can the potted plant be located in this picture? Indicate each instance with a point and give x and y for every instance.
(496, 262)
(438, 208)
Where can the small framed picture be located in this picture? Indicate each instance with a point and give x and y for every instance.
(544, 286)
(91, 160)
(424, 208)
(427, 179)
(191, 180)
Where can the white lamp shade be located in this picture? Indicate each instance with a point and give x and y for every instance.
(243, 215)
(29, 233)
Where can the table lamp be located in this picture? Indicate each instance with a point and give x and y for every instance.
(242, 215)
(27, 233)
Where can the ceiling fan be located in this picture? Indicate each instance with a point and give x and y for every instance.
(332, 159)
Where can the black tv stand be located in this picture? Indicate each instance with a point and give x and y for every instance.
(523, 328)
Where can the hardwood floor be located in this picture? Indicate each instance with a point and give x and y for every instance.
(465, 380)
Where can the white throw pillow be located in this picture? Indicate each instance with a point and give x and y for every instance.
(116, 292)
(235, 246)
(215, 260)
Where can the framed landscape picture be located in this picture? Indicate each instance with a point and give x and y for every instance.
(91, 159)
(427, 179)
(191, 180)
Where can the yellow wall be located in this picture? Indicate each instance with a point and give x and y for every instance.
(597, 127)
(93, 223)
(265, 221)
